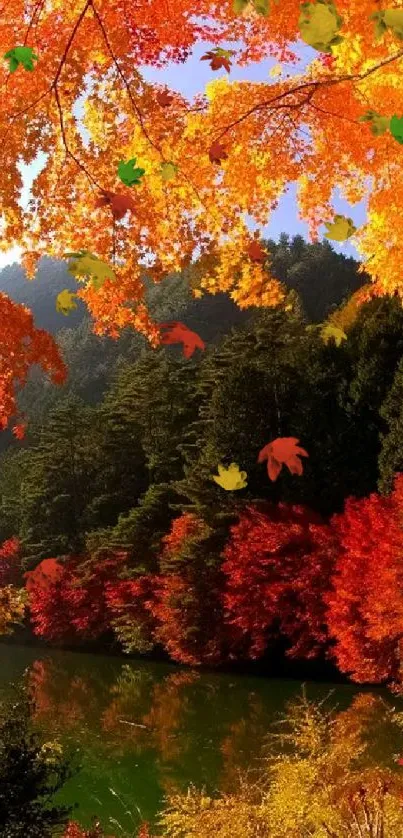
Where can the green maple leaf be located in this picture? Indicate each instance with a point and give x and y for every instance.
(65, 302)
(340, 229)
(389, 19)
(168, 171)
(128, 174)
(396, 128)
(21, 55)
(225, 53)
(262, 7)
(319, 24)
(379, 124)
(85, 264)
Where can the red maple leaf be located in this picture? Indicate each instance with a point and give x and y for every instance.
(19, 430)
(282, 451)
(256, 252)
(400, 761)
(164, 98)
(119, 204)
(219, 58)
(179, 333)
(217, 153)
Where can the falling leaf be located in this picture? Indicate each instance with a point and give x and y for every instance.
(282, 451)
(128, 173)
(379, 124)
(86, 264)
(217, 153)
(240, 5)
(231, 478)
(21, 55)
(256, 252)
(396, 128)
(319, 24)
(328, 332)
(388, 19)
(19, 430)
(118, 203)
(65, 301)
(164, 98)
(262, 7)
(179, 333)
(276, 71)
(168, 171)
(219, 58)
(340, 229)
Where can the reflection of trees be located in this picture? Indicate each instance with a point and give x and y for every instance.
(143, 730)
(169, 708)
(123, 716)
(242, 743)
(63, 702)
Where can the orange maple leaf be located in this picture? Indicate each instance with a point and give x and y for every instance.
(256, 252)
(282, 451)
(19, 430)
(119, 204)
(217, 153)
(179, 333)
(164, 98)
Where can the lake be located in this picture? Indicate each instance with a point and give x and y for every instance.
(142, 729)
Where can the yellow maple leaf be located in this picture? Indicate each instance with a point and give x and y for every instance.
(86, 264)
(65, 301)
(231, 478)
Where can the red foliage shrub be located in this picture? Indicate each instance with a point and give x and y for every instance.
(144, 831)
(129, 603)
(68, 601)
(183, 529)
(73, 830)
(277, 564)
(365, 605)
(187, 603)
(10, 562)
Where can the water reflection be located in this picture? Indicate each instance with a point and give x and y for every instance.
(146, 730)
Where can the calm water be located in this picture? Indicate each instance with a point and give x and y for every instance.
(145, 729)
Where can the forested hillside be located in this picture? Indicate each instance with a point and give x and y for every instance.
(321, 277)
(111, 494)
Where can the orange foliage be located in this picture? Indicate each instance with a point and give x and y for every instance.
(22, 345)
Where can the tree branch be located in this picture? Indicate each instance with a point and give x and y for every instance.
(124, 80)
(312, 87)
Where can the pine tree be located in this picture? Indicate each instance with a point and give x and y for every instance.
(58, 482)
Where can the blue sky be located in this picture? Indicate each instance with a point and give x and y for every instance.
(191, 78)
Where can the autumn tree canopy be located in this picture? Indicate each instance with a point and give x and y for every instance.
(156, 179)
